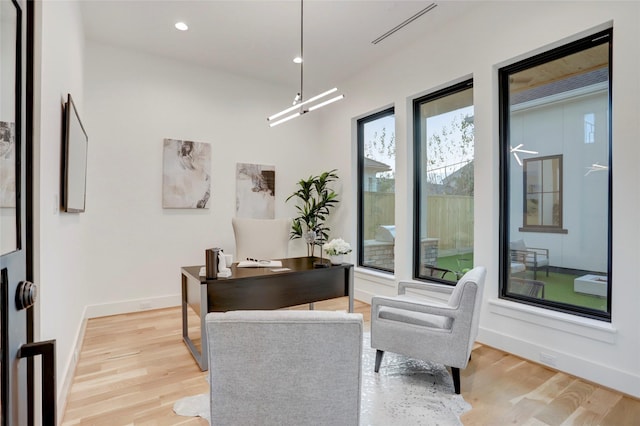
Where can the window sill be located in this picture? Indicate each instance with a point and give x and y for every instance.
(580, 326)
(544, 230)
(374, 273)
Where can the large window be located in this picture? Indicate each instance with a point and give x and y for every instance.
(444, 146)
(555, 225)
(376, 190)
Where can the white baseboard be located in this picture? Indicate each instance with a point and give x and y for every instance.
(135, 305)
(369, 283)
(102, 310)
(363, 295)
(70, 370)
(602, 374)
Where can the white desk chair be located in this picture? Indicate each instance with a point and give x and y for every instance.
(262, 239)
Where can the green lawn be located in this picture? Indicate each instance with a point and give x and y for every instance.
(558, 286)
(456, 263)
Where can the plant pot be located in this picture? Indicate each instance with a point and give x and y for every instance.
(336, 259)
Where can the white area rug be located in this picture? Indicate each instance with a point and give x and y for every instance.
(404, 392)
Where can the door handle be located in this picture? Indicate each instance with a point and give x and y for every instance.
(48, 351)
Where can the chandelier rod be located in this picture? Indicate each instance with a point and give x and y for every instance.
(301, 50)
(299, 101)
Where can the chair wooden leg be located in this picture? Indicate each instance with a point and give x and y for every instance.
(379, 355)
(455, 373)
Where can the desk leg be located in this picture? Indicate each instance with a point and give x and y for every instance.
(185, 326)
(204, 309)
(349, 278)
(201, 357)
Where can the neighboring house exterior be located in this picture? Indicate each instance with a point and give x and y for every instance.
(459, 182)
(553, 123)
(371, 170)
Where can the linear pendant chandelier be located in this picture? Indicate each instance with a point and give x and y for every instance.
(300, 105)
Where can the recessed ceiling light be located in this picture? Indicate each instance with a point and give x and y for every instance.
(182, 26)
(297, 60)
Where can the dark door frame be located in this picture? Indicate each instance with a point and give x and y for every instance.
(29, 187)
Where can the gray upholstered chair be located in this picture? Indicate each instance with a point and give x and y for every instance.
(284, 367)
(261, 238)
(439, 332)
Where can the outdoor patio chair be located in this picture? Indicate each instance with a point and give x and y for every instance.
(526, 287)
(434, 271)
(517, 267)
(532, 257)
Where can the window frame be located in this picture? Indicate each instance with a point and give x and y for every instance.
(602, 37)
(467, 83)
(542, 228)
(360, 123)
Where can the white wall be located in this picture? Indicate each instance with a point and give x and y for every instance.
(492, 35)
(59, 238)
(134, 101)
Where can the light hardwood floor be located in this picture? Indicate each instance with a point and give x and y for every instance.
(133, 367)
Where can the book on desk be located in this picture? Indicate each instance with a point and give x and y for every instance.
(260, 264)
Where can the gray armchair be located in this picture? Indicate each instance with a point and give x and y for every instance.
(437, 332)
(284, 367)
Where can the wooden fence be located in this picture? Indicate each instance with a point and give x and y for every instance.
(379, 209)
(449, 218)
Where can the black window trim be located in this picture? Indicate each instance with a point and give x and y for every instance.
(602, 37)
(417, 151)
(360, 139)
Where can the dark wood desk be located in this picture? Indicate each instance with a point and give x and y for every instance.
(256, 288)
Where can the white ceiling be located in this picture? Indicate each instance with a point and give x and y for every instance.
(259, 38)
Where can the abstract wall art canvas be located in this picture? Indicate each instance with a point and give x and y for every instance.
(255, 191)
(7, 165)
(186, 174)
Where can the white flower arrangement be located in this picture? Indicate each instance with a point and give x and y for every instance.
(336, 246)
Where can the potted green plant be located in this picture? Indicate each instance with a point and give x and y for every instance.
(314, 203)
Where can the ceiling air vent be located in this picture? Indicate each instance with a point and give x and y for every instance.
(404, 23)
